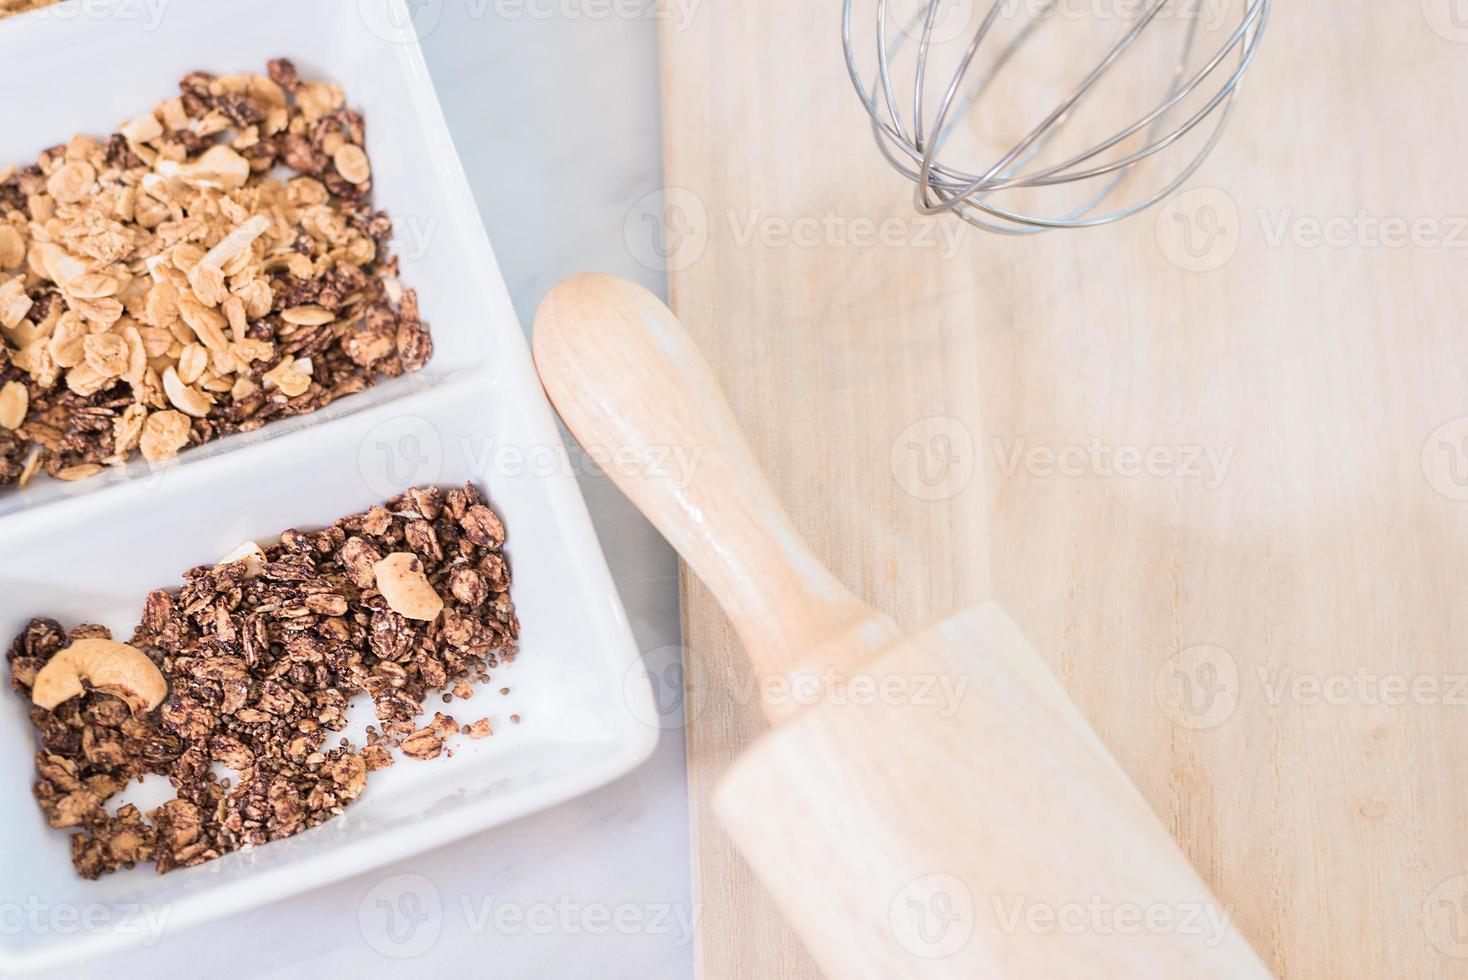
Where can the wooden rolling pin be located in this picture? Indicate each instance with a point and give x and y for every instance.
(981, 832)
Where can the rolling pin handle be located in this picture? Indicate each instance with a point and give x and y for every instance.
(633, 388)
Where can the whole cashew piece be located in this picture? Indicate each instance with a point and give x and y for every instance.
(110, 667)
(407, 590)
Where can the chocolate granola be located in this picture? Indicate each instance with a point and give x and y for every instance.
(163, 287)
(261, 655)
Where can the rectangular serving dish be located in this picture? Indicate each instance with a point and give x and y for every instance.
(89, 551)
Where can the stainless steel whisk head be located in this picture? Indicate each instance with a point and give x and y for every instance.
(1068, 170)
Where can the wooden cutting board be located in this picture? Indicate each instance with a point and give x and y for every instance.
(1226, 504)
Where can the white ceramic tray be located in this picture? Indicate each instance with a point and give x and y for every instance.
(90, 551)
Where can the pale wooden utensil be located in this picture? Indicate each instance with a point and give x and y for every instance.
(987, 834)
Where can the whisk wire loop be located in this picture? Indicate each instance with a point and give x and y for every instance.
(913, 146)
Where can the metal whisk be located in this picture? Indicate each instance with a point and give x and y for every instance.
(1022, 191)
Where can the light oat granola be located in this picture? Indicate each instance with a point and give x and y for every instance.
(167, 285)
(11, 7)
(250, 665)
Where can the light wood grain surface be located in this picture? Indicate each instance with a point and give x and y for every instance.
(1270, 641)
(858, 813)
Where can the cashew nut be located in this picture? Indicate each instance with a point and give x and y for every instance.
(291, 376)
(109, 667)
(220, 164)
(402, 583)
(251, 554)
(142, 129)
(185, 398)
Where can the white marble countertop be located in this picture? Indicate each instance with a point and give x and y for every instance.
(554, 109)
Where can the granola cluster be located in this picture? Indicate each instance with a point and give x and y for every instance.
(261, 655)
(163, 287)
